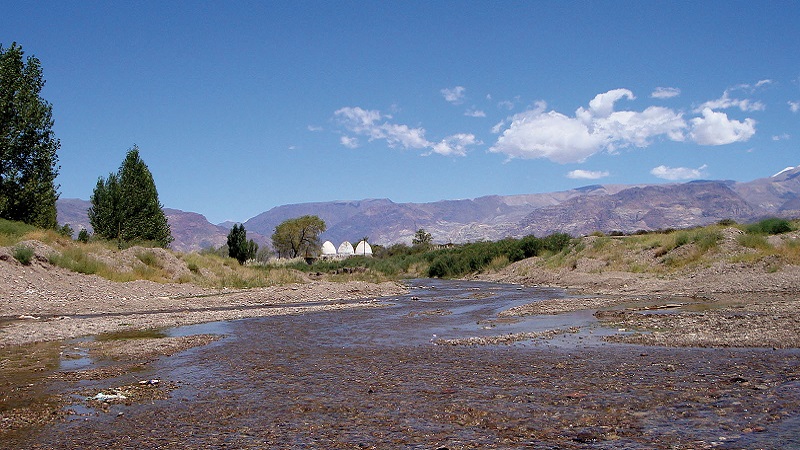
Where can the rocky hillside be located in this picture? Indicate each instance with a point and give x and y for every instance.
(577, 211)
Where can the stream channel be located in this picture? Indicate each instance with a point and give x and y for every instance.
(383, 378)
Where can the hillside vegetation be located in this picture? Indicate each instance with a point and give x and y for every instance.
(770, 244)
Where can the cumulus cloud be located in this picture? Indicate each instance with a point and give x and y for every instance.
(679, 173)
(454, 95)
(473, 112)
(580, 174)
(374, 126)
(602, 105)
(538, 133)
(455, 145)
(714, 128)
(665, 92)
(552, 135)
(794, 106)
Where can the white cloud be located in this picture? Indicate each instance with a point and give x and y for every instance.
(665, 92)
(794, 106)
(538, 133)
(781, 137)
(349, 142)
(365, 122)
(726, 102)
(508, 104)
(764, 83)
(455, 145)
(552, 135)
(623, 128)
(455, 95)
(473, 112)
(498, 127)
(314, 128)
(679, 173)
(714, 128)
(745, 105)
(373, 125)
(602, 105)
(580, 174)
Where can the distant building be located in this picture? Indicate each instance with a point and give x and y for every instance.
(363, 249)
(346, 249)
(328, 250)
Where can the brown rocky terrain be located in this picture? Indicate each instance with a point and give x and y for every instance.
(727, 301)
(41, 302)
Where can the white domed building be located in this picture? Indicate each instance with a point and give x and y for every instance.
(363, 249)
(328, 250)
(346, 249)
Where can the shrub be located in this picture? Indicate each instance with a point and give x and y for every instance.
(755, 241)
(23, 254)
(556, 242)
(149, 259)
(77, 260)
(772, 225)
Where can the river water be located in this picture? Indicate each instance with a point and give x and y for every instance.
(376, 378)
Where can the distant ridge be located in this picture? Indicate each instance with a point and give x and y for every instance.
(579, 211)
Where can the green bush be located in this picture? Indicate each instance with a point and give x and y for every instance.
(772, 225)
(23, 254)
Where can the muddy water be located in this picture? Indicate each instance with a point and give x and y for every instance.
(374, 378)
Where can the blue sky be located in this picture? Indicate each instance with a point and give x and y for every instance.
(238, 107)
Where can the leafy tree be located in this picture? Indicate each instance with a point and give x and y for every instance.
(28, 160)
(298, 237)
(125, 206)
(422, 238)
(66, 231)
(83, 235)
(239, 247)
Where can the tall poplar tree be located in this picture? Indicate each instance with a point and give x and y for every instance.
(28, 146)
(125, 206)
(238, 246)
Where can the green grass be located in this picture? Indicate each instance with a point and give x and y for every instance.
(78, 260)
(23, 254)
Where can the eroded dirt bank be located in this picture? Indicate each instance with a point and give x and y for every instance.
(46, 303)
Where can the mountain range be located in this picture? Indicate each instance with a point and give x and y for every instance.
(606, 208)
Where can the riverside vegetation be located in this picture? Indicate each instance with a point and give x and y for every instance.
(656, 252)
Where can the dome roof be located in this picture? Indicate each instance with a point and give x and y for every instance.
(363, 248)
(346, 248)
(328, 248)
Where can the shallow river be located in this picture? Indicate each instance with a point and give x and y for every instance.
(375, 378)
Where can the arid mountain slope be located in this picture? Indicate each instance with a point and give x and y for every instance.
(577, 211)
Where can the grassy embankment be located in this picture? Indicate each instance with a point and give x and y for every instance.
(651, 252)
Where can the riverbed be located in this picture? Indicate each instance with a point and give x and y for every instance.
(405, 375)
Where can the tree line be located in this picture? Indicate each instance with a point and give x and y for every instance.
(125, 205)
